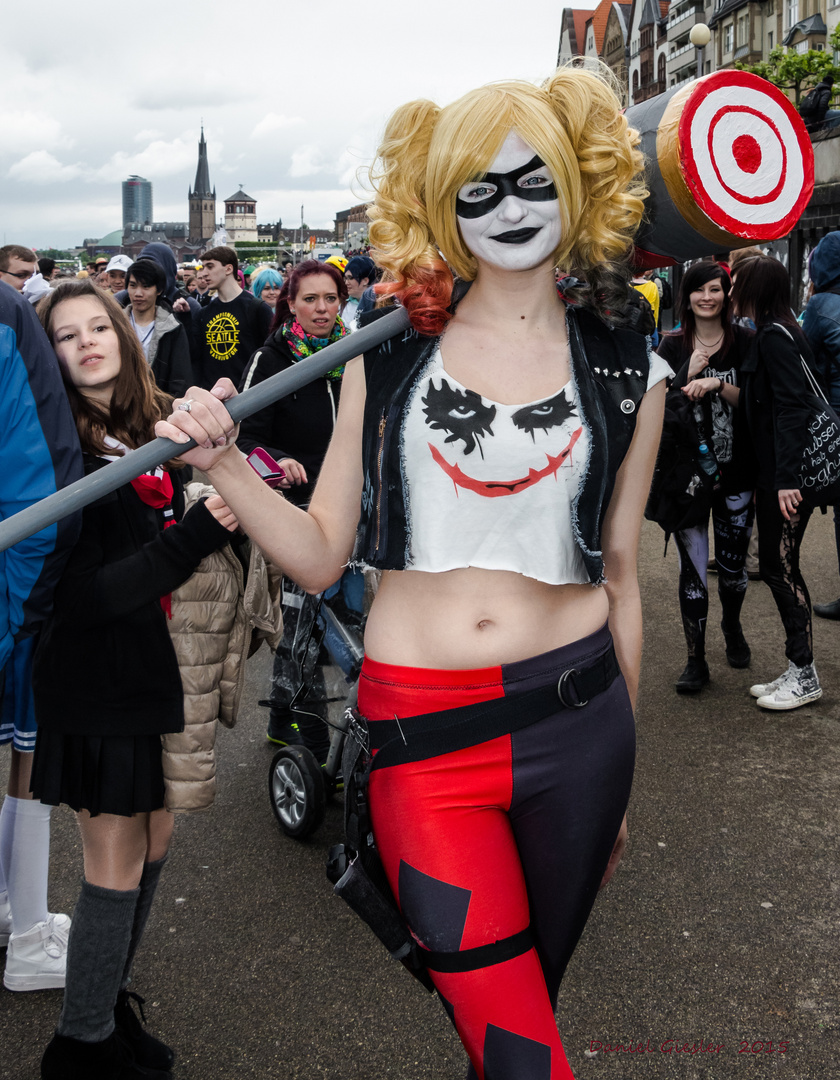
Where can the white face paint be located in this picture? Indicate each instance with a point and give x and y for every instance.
(511, 218)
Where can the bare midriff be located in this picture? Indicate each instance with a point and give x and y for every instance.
(475, 618)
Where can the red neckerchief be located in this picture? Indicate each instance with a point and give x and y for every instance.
(156, 490)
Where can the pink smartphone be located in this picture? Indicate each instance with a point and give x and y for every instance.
(266, 467)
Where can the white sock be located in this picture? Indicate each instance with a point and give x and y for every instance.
(25, 855)
(3, 853)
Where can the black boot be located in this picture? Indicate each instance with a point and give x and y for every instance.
(694, 676)
(110, 1059)
(148, 1051)
(738, 654)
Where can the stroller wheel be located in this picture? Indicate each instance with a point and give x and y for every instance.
(296, 789)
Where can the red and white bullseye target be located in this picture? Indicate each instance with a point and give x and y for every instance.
(745, 155)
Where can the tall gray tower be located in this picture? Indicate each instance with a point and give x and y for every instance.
(202, 199)
(137, 201)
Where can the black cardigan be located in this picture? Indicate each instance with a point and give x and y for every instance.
(105, 664)
(774, 391)
(739, 474)
(299, 426)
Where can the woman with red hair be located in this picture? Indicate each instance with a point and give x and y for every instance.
(296, 431)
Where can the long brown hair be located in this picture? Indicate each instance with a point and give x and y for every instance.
(136, 402)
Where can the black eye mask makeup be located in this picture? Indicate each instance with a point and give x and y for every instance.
(506, 184)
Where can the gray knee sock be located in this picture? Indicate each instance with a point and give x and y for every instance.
(148, 888)
(99, 941)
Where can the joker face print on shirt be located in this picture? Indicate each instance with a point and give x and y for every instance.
(469, 420)
(492, 485)
(510, 217)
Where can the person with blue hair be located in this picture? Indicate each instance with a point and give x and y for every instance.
(266, 285)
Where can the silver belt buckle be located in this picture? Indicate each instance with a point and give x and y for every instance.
(561, 686)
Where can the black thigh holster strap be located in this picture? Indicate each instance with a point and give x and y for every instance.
(451, 963)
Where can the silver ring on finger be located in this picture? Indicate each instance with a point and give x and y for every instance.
(186, 406)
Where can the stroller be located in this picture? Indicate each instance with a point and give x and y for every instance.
(298, 786)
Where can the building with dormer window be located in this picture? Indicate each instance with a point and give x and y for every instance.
(737, 26)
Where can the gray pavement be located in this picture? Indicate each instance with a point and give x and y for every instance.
(720, 928)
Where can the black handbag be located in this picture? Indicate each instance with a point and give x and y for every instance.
(819, 472)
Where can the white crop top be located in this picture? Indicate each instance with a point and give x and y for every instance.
(492, 485)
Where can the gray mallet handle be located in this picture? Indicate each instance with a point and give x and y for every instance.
(70, 499)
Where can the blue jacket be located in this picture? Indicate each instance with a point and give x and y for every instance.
(821, 323)
(40, 454)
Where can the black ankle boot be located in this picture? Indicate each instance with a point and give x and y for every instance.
(111, 1059)
(148, 1051)
(738, 654)
(694, 676)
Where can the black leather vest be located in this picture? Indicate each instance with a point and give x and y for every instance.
(610, 370)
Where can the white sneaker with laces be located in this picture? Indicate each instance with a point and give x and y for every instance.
(5, 919)
(801, 687)
(36, 959)
(763, 689)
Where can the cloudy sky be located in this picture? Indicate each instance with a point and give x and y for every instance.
(293, 97)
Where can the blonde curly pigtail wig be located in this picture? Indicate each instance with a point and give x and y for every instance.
(401, 238)
(575, 125)
(612, 186)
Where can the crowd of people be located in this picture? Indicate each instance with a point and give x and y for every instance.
(486, 498)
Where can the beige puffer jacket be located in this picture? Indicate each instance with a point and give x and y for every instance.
(217, 622)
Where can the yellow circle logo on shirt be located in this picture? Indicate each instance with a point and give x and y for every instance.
(223, 336)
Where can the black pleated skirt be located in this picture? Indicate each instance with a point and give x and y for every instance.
(114, 774)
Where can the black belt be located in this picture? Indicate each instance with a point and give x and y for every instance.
(419, 737)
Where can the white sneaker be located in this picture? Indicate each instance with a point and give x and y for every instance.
(801, 687)
(5, 919)
(37, 958)
(763, 689)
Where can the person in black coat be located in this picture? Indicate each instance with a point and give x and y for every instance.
(815, 106)
(107, 685)
(775, 390)
(164, 340)
(296, 431)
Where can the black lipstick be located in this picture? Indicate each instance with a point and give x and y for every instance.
(516, 236)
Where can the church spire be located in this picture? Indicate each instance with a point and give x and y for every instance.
(202, 173)
(201, 199)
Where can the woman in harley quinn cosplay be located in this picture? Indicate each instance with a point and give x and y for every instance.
(501, 453)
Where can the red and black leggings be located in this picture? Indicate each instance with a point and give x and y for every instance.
(483, 841)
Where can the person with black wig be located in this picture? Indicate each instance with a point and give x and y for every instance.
(706, 354)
